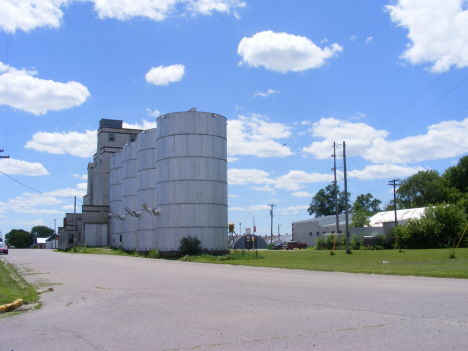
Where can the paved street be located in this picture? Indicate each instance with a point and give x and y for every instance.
(126, 303)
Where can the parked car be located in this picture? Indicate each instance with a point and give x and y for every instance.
(3, 248)
(295, 244)
(277, 246)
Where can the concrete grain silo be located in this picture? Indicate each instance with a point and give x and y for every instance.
(115, 206)
(129, 197)
(191, 181)
(146, 199)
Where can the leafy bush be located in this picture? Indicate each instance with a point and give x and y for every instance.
(329, 242)
(319, 244)
(153, 253)
(355, 242)
(190, 246)
(435, 229)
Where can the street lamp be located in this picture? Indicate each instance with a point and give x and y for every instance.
(253, 220)
(279, 225)
(240, 226)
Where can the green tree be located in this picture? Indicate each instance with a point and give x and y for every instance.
(436, 228)
(190, 246)
(420, 190)
(367, 202)
(457, 176)
(323, 203)
(19, 238)
(360, 218)
(41, 231)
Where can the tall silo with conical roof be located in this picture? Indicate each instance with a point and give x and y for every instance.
(191, 181)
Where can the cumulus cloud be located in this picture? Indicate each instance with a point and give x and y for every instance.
(22, 90)
(369, 39)
(384, 171)
(437, 32)
(154, 113)
(254, 135)
(294, 179)
(251, 208)
(359, 137)
(284, 52)
(145, 125)
(301, 194)
(164, 75)
(293, 208)
(265, 94)
(12, 166)
(26, 15)
(248, 176)
(443, 140)
(73, 143)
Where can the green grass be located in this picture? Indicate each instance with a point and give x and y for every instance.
(102, 251)
(13, 286)
(428, 263)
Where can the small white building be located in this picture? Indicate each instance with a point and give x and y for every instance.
(387, 218)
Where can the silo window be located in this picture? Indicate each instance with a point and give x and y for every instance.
(111, 137)
(310, 233)
(318, 233)
(132, 137)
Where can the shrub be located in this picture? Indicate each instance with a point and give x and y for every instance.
(153, 253)
(355, 242)
(190, 246)
(435, 229)
(319, 244)
(329, 242)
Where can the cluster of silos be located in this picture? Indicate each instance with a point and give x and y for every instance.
(173, 184)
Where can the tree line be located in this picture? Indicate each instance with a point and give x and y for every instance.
(22, 239)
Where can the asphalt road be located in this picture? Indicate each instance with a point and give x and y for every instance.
(126, 303)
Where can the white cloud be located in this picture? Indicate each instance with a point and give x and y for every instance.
(68, 207)
(232, 195)
(26, 15)
(264, 188)
(323, 41)
(233, 159)
(248, 176)
(207, 7)
(30, 14)
(265, 94)
(353, 38)
(359, 137)
(12, 166)
(294, 208)
(75, 175)
(84, 177)
(251, 208)
(384, 171)
(28, 202)
(255, 136)
(154, 113)
(73, 143)
(164, 75)
(369, 39)
(145, 125)
(20, 89)
(443, 140)
(437, 31)
(294, 179)
(302, 194)
(284, 52)
(31, 224)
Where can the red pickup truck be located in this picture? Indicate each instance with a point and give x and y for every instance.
(295, 244)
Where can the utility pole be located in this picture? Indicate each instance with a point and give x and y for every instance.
(271, 235)
(253, 223)
(279, 225)
(346, 198)
(240, 227)
(337, 225)
(394, 183)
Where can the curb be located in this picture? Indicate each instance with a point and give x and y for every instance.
(11, 306)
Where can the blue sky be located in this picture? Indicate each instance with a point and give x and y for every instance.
(387, 77)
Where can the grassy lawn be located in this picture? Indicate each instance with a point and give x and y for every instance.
(102, 251)
(13, 287)
(428, 263)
